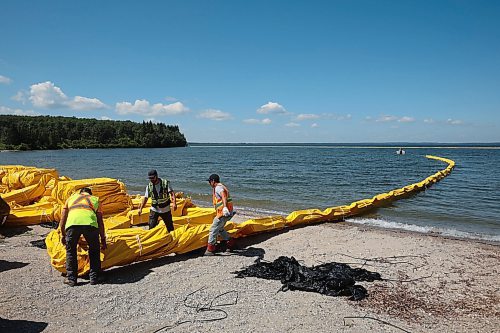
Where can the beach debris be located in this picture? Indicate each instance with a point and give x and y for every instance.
(201, 310)
(331, 279)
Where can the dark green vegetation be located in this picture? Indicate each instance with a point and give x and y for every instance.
(46, 132)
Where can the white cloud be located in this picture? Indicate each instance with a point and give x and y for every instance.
(454, 121)
(17, 112)
(292, 124)
(47, 95)
(389, 118)
(384, 119)
(142, 107)
(344, 117)
(5, 80)
(272, 107)
(105, 118)
(306, 116)
(449, 121)
(265, 121)
(80, 103)
(213, 114)
(336, 117)
(21, 97)
(314, 125)
(171, 99)
(406, 119)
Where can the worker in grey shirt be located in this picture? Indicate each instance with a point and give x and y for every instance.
(161, 195)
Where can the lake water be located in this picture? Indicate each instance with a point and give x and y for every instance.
(280, 179)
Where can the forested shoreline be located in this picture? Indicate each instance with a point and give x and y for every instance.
(49, 132)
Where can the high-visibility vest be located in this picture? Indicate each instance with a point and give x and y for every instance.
(82, 210)
(218, 204)
(161, 199)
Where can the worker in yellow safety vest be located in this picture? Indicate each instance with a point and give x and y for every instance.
(223, 205)
(82, 215)
(161, 194)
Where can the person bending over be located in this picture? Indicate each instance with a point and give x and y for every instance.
(82, 215)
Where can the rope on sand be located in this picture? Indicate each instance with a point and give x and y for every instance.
(209, 307)
(376, 319)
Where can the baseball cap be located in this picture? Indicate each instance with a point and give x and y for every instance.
(86, 190)
(214, 177)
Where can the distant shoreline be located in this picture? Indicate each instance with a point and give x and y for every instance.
(347, 146)
(296, 145)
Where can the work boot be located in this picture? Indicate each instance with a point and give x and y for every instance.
(222, 246)
(210, 250)
(69, 282)
(100, 279)
(227, 245)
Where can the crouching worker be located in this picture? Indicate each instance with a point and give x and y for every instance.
(82, 215)
(223, 205)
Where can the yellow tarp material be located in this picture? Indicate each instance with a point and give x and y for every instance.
(4, 189)
(29, 194)
(5, 170)
(27, 177)
(129, 245)
(111, 192)
(193, 215)
(37, 194)
(32, 214)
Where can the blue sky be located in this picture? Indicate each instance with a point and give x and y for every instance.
(261, 71)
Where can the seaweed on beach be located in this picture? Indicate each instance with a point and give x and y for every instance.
(331, 279)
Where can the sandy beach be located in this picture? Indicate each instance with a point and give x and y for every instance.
(432, 284)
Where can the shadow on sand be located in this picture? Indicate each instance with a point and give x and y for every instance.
(13, 231)
(138, 271)
(25, 326)
(8, 265)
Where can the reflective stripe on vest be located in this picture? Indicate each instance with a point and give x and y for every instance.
(82, 209)
(163, 197)
(219, 204)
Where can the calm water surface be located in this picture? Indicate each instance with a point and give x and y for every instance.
(280, 179)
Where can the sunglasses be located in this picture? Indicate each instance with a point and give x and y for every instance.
(153, 177)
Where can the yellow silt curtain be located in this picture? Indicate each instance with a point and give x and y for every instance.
(111, 193)
(36, 213)
(26, 177)
(38, 195)
(128, 245)
(27, 195)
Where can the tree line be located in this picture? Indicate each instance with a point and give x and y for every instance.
(48, 132)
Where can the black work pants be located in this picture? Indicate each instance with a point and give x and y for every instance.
(166, 217)
(91, 235)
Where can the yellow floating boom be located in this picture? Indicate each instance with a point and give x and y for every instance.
(128, 245)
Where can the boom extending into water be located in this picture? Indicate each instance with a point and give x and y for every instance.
(127, 245)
